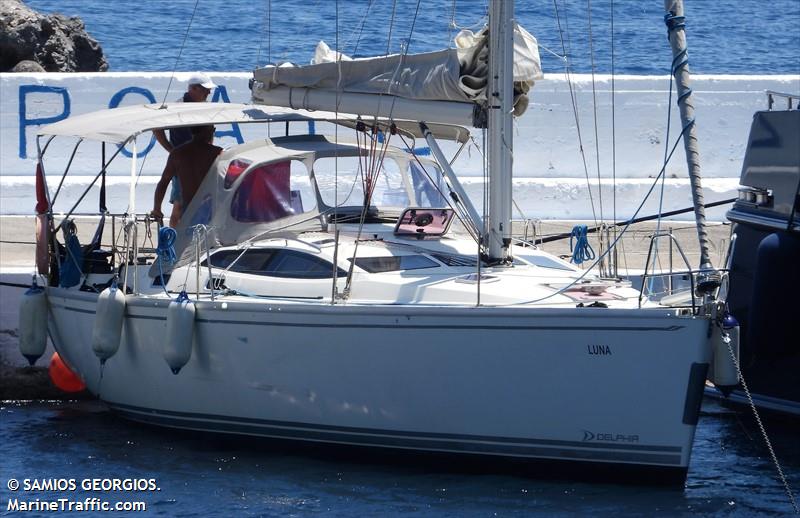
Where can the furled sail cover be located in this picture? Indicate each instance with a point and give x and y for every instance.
(459, 74)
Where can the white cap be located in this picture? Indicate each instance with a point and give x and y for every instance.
(202, 80)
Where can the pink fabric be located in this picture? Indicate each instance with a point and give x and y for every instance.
(263, 195)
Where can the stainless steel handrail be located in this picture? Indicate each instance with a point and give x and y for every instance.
(654, 241)
(772, 94)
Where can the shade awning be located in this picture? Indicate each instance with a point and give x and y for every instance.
(118, 125)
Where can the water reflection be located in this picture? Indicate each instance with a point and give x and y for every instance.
(730, 474)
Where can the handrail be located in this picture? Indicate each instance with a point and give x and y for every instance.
(654, 240)
(772, 94)
(198, 231)
(532, 225)
(131, 234)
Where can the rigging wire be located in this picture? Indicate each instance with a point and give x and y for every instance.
(553, 53)
(361, 29)
(458, 208)
(391, 27)
(613, 121)
(180, 52)
(374, 161)
(144, 156)
(594, 109)
(402, 58)
(663, 183)
(451, 25)
(614, 258)
(613, 244)
(269, 31)
(566, 48)
(266, 31)
(335, 267)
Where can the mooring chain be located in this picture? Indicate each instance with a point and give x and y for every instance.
(727, 339)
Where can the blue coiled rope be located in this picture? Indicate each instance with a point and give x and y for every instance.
(166, 244)
(582, 251)
(166, 251)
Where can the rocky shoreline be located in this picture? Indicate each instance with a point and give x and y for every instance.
(34, 42)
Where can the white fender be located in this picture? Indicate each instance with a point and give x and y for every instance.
(110, 315)
(724, 373)
(180, 332)
(33, 323)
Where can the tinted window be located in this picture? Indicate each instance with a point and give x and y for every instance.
(291, 263)
(394, 263)
(252, 261)
(275, 263)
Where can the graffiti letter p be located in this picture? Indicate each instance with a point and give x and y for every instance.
(24, 121)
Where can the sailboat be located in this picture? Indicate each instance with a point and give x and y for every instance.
(347, 291)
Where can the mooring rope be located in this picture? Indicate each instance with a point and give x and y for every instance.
(582, 251)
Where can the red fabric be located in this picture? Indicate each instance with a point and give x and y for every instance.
(264, 194)
(42, 244)
(41, 195)
(235, 168)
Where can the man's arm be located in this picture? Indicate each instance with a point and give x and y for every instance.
(162, 139)
(161, 188)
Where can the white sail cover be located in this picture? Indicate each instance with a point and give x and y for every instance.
(454, 75)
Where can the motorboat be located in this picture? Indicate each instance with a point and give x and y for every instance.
(764, 259)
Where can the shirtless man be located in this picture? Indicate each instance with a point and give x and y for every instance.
(189, 164)
(200, 87)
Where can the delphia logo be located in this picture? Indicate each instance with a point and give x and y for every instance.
(608, 437)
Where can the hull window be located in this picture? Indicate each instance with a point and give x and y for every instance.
(273, 262)
(395, 263)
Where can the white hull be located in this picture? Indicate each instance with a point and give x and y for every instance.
(529, 383)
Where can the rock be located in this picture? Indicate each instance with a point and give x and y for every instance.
(26, 65)
(56, 42)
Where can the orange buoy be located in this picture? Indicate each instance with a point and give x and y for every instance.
(63, 377)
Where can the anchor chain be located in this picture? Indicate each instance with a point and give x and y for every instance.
(727, 339)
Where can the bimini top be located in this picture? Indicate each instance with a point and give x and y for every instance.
(118, 125)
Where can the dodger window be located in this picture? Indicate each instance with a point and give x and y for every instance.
(272, 191)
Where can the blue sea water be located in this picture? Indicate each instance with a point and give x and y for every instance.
(724, 36)
(198, 475)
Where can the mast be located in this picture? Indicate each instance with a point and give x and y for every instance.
(500, 136)
(674, 19)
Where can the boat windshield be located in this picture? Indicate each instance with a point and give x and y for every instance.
(269, 191)
(398, 183)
